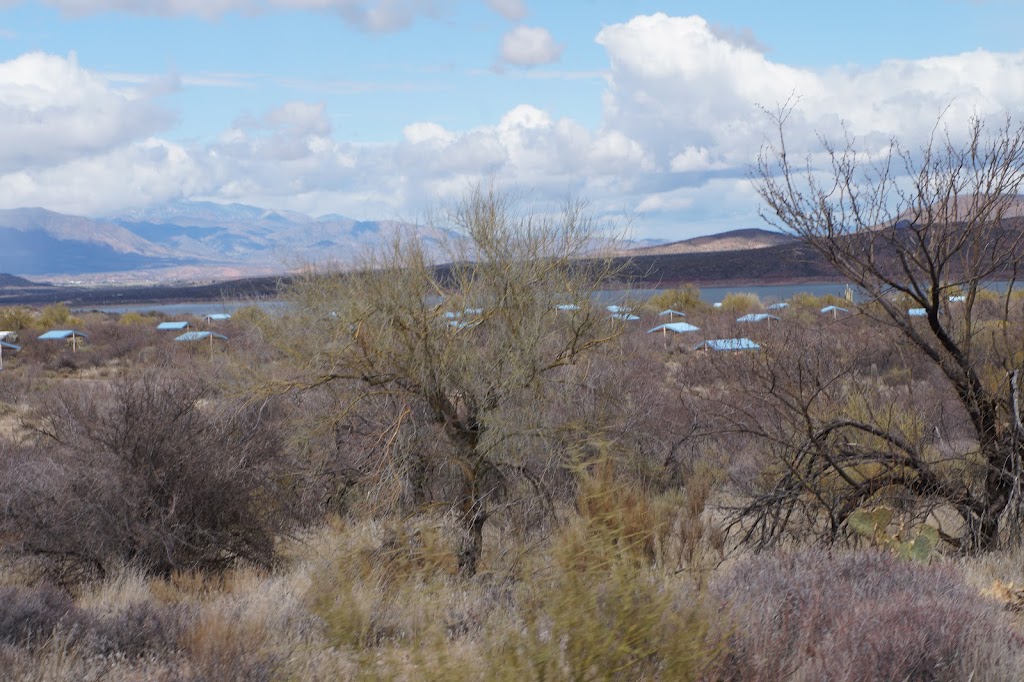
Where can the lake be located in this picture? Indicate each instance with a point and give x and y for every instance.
(767, 293)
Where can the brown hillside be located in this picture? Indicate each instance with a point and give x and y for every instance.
(734, 240)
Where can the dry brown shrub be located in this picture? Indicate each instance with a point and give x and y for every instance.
(858, 616)
(30, 616)
(155, 471)
(222, 645)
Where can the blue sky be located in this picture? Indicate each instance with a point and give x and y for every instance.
(387, 108)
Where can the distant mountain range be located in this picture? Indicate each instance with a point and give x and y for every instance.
(228, 245)
(239, 252)
(184, 240)
(188, 241)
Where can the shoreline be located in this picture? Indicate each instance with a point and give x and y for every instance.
(265, 289)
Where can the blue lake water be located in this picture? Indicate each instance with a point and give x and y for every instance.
(197, 309)
(767, 294)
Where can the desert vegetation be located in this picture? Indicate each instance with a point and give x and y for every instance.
(476, 472)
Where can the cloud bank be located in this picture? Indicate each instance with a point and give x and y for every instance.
(378, 16)
(680, 127)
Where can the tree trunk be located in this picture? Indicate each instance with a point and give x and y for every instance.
(998, 488)
(471, 544)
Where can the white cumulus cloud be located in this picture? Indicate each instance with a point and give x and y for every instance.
(692, 95)
(138, 174)
(529, 46)
(52, 111)
(680, 127)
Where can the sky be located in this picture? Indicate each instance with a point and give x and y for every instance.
(387, 109)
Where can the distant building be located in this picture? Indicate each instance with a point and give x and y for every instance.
(778, 306)
(917, 312)
(671, 314)
(217, 317)
(756, 317)
(624, 317)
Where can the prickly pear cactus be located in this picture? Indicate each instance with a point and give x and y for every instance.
(873, 524)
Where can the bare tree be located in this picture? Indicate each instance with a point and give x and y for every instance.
(929, 229)
(467, 356)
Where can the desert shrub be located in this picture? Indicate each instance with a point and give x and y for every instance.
(363, 597)
(110, 341)
(224, 646)
(41, 617)
(684, 299)
(814, 303)
(15, 318)
(141, 629)
(153, 470)
(740, 302)
(17, 386)
(65, 361)
(133, 319)
(56, 315)
(585, 605)
(249, 316)
(30, 615)
(607, 612)
(860, 616)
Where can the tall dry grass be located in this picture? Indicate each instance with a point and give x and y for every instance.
(372, 600)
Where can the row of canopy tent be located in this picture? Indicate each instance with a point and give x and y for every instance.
(463, 319)
(619, 313)
(709, 344)
(457, 319)
(625, 314)
(74, 335)
(622, 313)
(618, 309)
(194, 335)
